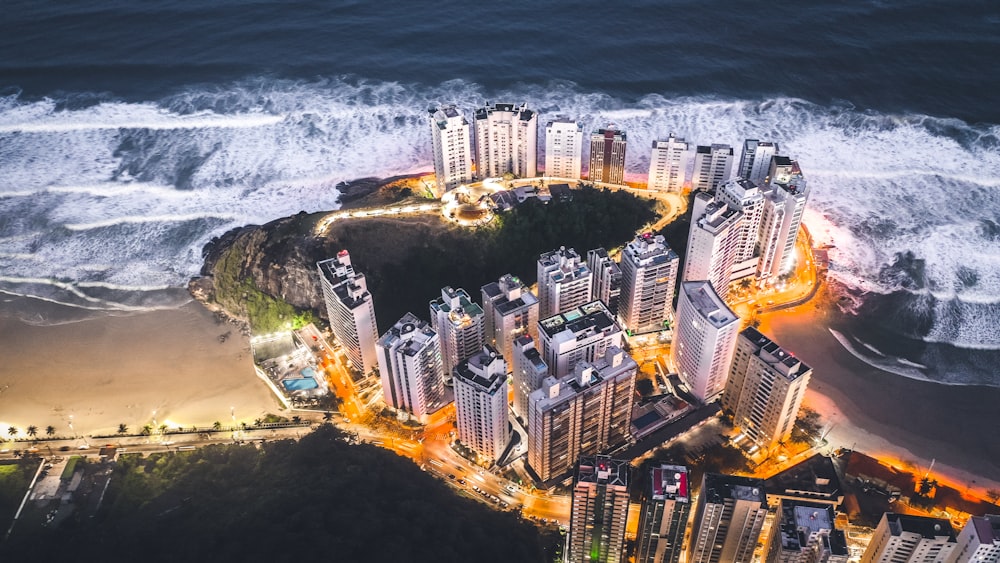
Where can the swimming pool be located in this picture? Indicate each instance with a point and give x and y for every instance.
(302, 384)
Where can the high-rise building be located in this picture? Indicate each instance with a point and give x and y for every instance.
(452, 146)
(607, 156)
(410, 367)
(713, 165)
(668, 164)
(784, 204)
(607, 278)
(583, 413)
(747, 198)
(528, 369)
(563, 148)
(728, 519)
(564, 282)
(705, 334)
(649, 278)
(506, 140)
(765, 388)
(460, 325)
(510, 310)
(979, 541)
(902, 538)
(713, 243)
(581, 334)
(481, 404)
(663, 519)
(805, 532)
(755, 161)
(600, 510)
(350, 310)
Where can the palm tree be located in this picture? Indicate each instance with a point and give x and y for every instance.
(50, 431)
(12, 431)
(32, 431)
(297, 419)
(146, 430)
(258, 422)
(123, 428)
(328, 416)
(216, 426)
(163, 429)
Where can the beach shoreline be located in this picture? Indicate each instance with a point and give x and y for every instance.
(181, 367)
(907, 422)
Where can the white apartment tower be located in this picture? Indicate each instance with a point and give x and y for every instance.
(510, 310)
(581, 334)
(600, 510)
(583, 413)
(563, 148)
(765, 388)
(528, 369)
(755, 161)
(979, 541)
(350, 310)
(410, 367)
(506, 140)
(452, 145)
(481, 404)
(747, 198)
(607, 278)
(713, 165)
(564, 282)
(663, 519)
(607, 156)
(728, 519)
(901, 538)
(460, 325)
(713, 242)
(649, 278)
(705, 334)
(784, 205)
(805, 532)
(668, 164)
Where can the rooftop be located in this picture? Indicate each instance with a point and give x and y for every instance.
(603, 470)
(593, 316)
(815, 477)
(647, 249)
(410, 335)
(928, 528)
(485, 371)
(670, 482)
(769, 351)
(718, 488)
(708, 304)
(987, 528)
(800, 520)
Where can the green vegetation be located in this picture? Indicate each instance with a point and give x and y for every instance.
(317, 499)
(14, 479)
(241, 296)
(509, 244)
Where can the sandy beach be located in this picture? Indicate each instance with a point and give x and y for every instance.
(113, 370)
(882, 414)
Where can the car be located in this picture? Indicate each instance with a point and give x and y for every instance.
(461, 481)
(512, 488)
(451, 475)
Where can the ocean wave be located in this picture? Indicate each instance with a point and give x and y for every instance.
(910, 202)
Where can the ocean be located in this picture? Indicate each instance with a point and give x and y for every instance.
(131, 134)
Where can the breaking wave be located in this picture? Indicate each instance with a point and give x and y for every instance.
(127, 194)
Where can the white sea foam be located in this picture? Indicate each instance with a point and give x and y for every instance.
(134, 190)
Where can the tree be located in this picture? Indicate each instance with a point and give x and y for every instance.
(216, 426)
(163, 429)
(327, 416)
(50, 431)
(993, 495)
(297, 419)
(123, 428)
(258, 422)
(12, 431)
(146, 430)
(32, 431)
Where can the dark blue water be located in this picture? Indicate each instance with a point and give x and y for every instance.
(131, 133)
(931, 57)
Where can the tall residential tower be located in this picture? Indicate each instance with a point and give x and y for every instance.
(452, 146)
(350, 310)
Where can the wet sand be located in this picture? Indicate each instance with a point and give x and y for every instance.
(113, 370)
(890, 416)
